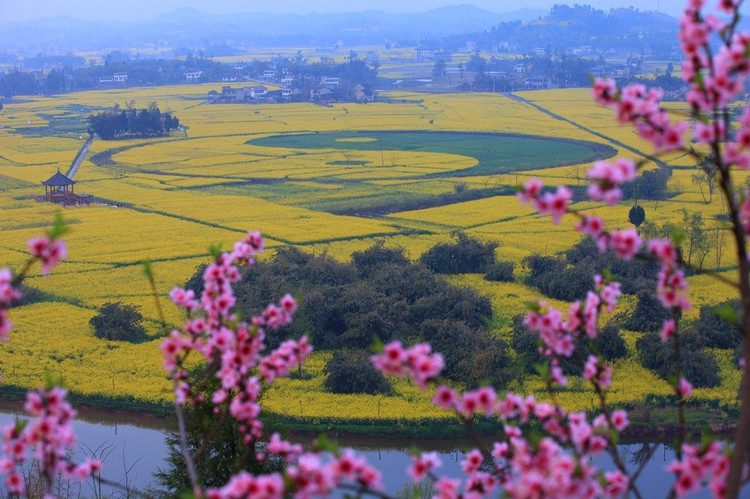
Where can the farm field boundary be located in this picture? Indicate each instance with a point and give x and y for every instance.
(496, 153)
(616, 142)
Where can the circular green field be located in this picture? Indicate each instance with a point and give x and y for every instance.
(495, 152)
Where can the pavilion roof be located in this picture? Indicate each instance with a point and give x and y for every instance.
(58, 179)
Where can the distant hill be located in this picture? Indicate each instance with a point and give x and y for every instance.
(563, 29)
(197, 30)
(623, 31)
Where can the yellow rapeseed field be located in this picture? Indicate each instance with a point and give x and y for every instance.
(169, 199)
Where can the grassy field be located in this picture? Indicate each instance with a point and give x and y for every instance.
(301, 174)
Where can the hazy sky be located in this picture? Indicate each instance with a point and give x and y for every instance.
(136, 10)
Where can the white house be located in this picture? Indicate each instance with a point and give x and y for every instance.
(330, 81)
(256, 91)
(537, 82)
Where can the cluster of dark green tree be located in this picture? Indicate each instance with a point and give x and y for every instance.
(379, 294)
(650, 184)
(157, 72)
(117, 321)
(715, 328)
(18, 82)
(496, 74)
(526, 343)
(131, 122)
(667, 82)
(467, 255)
(568, 277)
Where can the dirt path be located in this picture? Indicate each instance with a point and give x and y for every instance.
(79, 159)
(585, 129)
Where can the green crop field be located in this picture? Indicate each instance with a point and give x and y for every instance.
(495, 153)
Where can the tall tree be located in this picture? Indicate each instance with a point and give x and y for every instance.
(637, 215)
(438, 70)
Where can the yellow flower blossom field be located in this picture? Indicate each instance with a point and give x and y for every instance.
(334, 180)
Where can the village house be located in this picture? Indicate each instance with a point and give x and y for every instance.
(227, 91)
(360, 95)
(537, 82)
(422, 54)
(229, 94)
(256, 91)
(117, 79)
(622, 71)
(330, 81)
(321, 94)
(470, 48)
(496, 74)
(507, 47)
(599, 71)
(193, 75)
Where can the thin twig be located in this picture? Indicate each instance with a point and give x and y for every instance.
(209, 436)
(122, 487)
(361, 489)
(189, 464)
(469, 425)
(642, 466)
(18, 278)
(157, 301)
(680, 397)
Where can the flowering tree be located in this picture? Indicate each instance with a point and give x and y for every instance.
(50, 434)
(234, 370)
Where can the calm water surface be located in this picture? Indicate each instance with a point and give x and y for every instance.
(133, 448)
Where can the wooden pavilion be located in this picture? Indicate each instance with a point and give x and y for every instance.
(59, 189)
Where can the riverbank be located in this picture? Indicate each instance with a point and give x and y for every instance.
(646, 421)
(132, 453)
(99, 409)
(661, 424)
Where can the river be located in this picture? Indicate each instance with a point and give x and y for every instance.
(133, 447)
